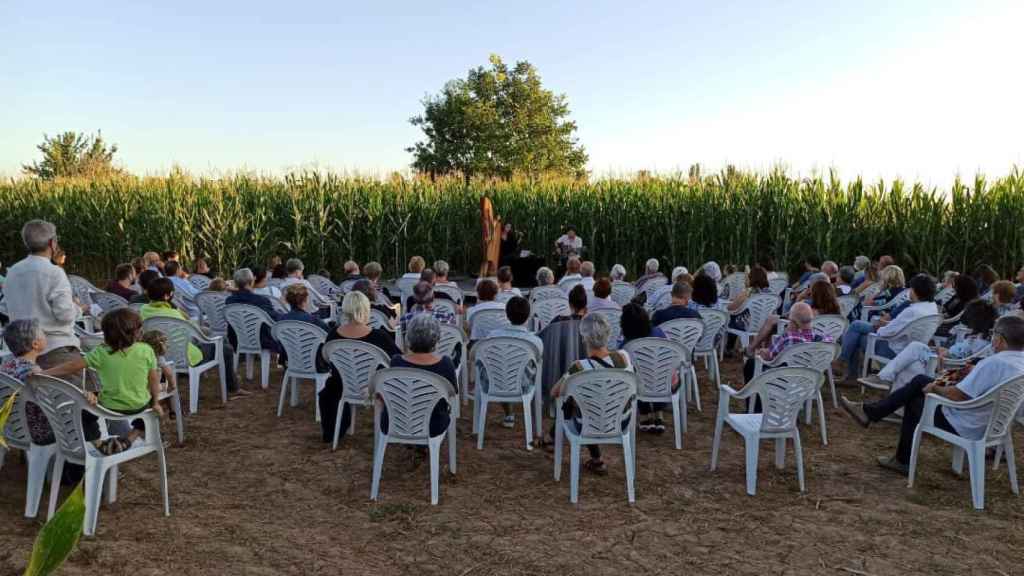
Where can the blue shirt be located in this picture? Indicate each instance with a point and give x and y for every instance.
(673, 312)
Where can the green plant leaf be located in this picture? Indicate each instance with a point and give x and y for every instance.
(5, 413)
(59, 535)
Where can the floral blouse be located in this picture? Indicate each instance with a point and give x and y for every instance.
(38, 426)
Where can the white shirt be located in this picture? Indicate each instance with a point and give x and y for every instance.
(595, 304)
(588, 283)
(37, 289)
(570, 244)
(269, 291)
(506, 295)
(188, 295)
(476, 332)
(911, 313)
(988, 374)
(314, 297)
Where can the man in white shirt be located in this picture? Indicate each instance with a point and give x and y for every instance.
(572, 275)
(1006, 363)
(587, 273)
(294, 268)
(36, 289)
(182, 287)
(518, 311)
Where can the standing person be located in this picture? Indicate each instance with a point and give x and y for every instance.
(36, 289)
(490, 227)
(568, 244)
(509, 244)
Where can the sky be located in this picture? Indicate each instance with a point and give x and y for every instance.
(918, 89)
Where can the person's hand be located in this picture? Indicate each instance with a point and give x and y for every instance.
(59, 257)
(159, 409)
(91, 398)
(930, 387)
(941, 352)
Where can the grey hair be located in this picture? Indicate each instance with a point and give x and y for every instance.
(679, 271)
(801, 314)
(545, 276)
(618, 272)
(949, 276)
(244, 278)
(422, 333)
(652, 265)
(847, 273)
(587, 269)
(294, 265)
(441, 268)
(861, 263)
(36, 234)
(595, 331)
(19, 335)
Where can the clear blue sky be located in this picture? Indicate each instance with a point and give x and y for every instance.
(918, 88)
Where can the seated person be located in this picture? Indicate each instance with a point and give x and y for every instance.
(244, 280)
(373, 272)
(366, 287)
(601, 298)
(651, 274)
(423, 294)
(486, 292)
(121, 284)
(261, 284)
(595, 331)
(176, 274)
(637, 324)
(801, 317)
(314, 299)
(1003, 293)
(680, 306)
(517, 309)
(705, 293)
(1006, 363)
(678, 273)
(26, 340)
(505, 289)
(297, 297)
(145, 279)
(572, 274)
(577, 305)
(587, 274)
(422, 334)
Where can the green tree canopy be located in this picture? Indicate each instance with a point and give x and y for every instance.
(497, 122)
(73, 154)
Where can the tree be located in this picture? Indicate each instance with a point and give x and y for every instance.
(73, 154)
(497, 122)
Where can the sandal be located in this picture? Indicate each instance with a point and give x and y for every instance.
(113, 445)
(595, 466)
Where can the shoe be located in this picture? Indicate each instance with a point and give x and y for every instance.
(856, 411)
(875, 381)
(509, 421)
(239, 393)
(891, 463)
(647, 425)
(659, 426)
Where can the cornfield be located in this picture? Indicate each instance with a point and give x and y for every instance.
(733, 217)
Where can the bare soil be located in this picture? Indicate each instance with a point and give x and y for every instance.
(255, 494)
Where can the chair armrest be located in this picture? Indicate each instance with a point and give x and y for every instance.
(937, 400)
(204, 339)
(728, 391)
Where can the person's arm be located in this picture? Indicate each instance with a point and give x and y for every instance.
(72, 366)
(893, 327)
(949, 392)
(154, 391)
(738, 302)
(62, 301)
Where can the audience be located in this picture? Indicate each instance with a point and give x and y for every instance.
(651, 274)
(422, 333)
(705, 293)
(601, 297)
(587, 274)
(636, 324)
(185, 290)
(1003, 293)
(617, 273)
(122, 282)
(373, 272)
(517, 309)
(244, 294)
(572, 274)
(486, 294)
(680, 306)
(26, 341)
(801, 317)
(505, 289)
(297, 297)
(423, 296)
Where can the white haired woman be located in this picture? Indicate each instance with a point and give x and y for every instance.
(422, 333)
(595, 332)
(545, 276)
(355, 325)
(651, 274)
(618, 273)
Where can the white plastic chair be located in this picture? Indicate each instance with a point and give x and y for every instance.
(715, 322)
(488, 320)
(614, 318)
(622, 292)
(542, 312)
(1005, 399)
(448, 305)
(902, 297)
(452, 291)
(247, 321)
(410, 395)
(659, 300)
(653, 286)
(847, 303)
(546, 292)
(783, 392)
(815, 355)
(760, 307)
(211, 308)
(567, 284)
(200, 281)
(778, 286)
(179, 334)
(356, 361)
(301, 342)
(944, 295)
(82, 289)
(380, 320)
(17, 436)
(919, 330)
(688, 332)
(657, 361)
(452, 338)
(322, 285)
(832, 326)
(63, 405)
(512, 369)
(732, 285)
(108, 301)
(606, 399)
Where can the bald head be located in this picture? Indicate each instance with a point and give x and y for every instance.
(801, 315)
(830, 268)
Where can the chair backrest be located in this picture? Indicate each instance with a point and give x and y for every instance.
(179, 334)
(614, 318)
(545, 293)
(452, 291)
(760, 306)
(322, 285)
(714, 322)
(546, 310)
(777, 286)
(783, 392)
(380, 320)
(871, 291)
(62, 403)
(211, 304)
(567, 284)
(653, 285)
(484, 321)
(82, 289)
(410, 394)
(830, 325)
(816, 355)
(356, 361)
(506, 363)
(1008, 398)
(847, 303)
(685, 331)
(945, 295)
(447, 305)
(345, 286)
(605, 398)
(658, 300)
(899, 299)
(247, 321)
(733, 284)
(200, 281)
(107, 301)
(451, 338)
(15, 433)
(622, 292)
(656, 361)
(920, 330)
(301, 341)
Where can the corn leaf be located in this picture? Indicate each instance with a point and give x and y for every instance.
(59, 535)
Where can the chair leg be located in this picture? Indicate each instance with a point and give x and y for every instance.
(248, 367)
(435, 469)
(451, 446)
(718, 374)
(264, 369)
(179, 420)
(352, 419)
(294, 383)
(528, 420)
(677, 421)
(538, 409)
(558, 450)
(696, 389)
(1011, 464)
(164, 490)
(629, 463)
(751, 445)
(222, 372)
(481, 420)
(574, 471)
(112, 484)
(193, 391)
(93, 484)
(915, 446)
(798, 455)
(38, 464)
(58, 471)
(832, 387)
(716, 443)
(976, 462)
(284, 392)
(821, 420)
(337, 424)
(807, 412)
(780, 453)
(378, 463)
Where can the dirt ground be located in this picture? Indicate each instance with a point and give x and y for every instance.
(255, 494)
